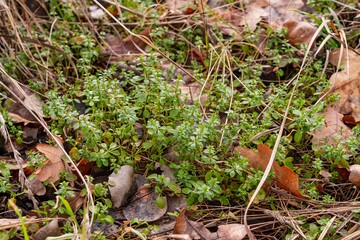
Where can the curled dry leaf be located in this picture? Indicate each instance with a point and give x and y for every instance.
(354, 176)
(285, 178)
(54, 166)
(347, 82)
(121, 185)
(50, 230)
(143, 206)
(333, 128)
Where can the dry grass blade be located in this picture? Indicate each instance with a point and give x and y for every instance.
(326, 229)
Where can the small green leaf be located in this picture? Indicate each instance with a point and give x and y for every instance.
(147, 145)
(298, 136)
(146, 113)
(186, 191)
(288, 162)
(174, 113)
(174, 187)
(160, 201)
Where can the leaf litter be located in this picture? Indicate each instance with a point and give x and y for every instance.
(285, 178)
(143, 204)
(54, 165)
(197, 230)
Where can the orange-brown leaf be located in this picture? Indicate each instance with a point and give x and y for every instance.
(54, 166)
(195, 230)
(285, 178)
(258, 159)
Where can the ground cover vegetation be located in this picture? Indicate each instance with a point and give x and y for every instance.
(179, 119)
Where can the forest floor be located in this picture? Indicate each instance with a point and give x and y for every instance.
(175, 119)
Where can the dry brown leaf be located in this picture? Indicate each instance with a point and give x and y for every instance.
(131, 44)
(178, 6)
(50, 230)
(37, 187)
(54, 166)
(254, 13)
(229, 22)
(34, 104)
(20, 119)
(143, 206)
(354, 176)
(76, 201)
(347, 83)
(344, 173)
(197, 230)
(121, 185)
(299, 32)
(231, 232)
(333, 129)
(272, 11)
(285, 178)
(194, 229)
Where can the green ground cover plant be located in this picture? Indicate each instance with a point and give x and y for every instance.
(142, 110)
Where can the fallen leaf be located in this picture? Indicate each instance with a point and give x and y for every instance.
(34, 104)
(54, 166)
(197, 230)
(272, 11)
(333, 129)
(299, 32)
(50, 230)
(85, 167)
(354, 176)
(76, 201)
(143, 206)
(121, 185)
(37, 187)
(179, 6)
(20, 119)
(194, 229)
(231, 232)
(347, 83)
(344, 173)
(228, 22)
(253, 15)
(285, 178)
(117, 47)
